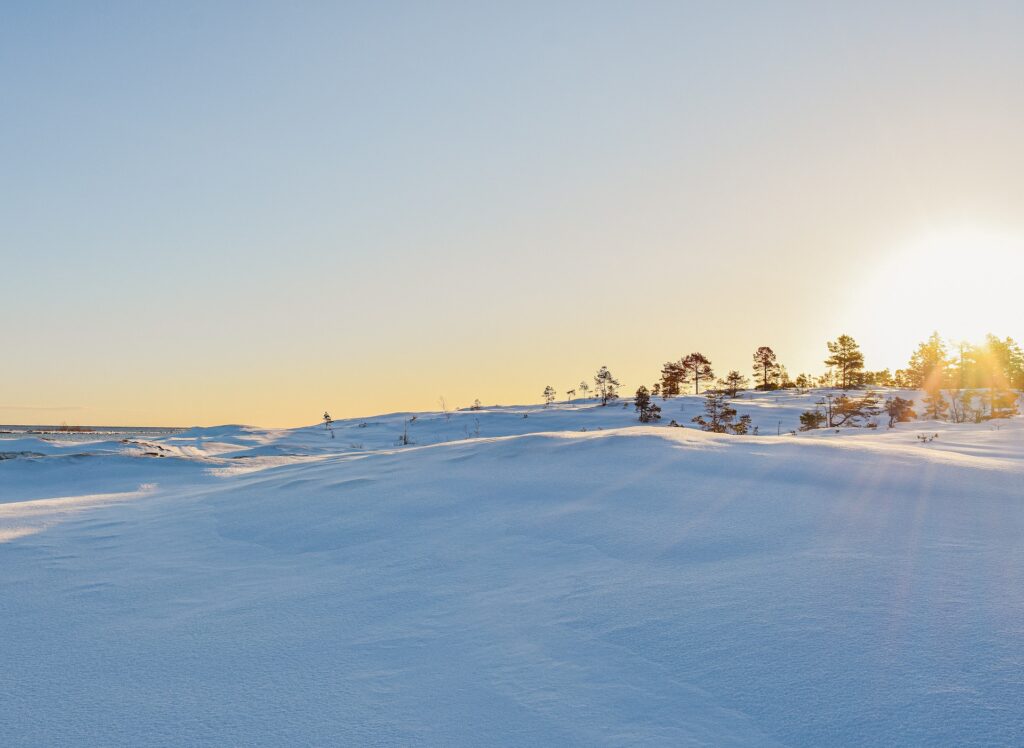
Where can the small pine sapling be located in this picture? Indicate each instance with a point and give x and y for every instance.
(647, 410)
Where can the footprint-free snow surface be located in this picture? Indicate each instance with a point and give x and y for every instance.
(567, 578)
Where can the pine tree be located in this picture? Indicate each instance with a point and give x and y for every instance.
(641, 399)
(881, 378)
(549, 395)
(811, 419)
(672, 374)
(720, 417)
(958, 366)
(766, 367)
(971, 404)
(1004, 403)
(647, 410)
(606, 386)
(696, 367)
(969, 366)
(1003, 362)
(847, 358)
(852, 411)
(928, 364)
(1000, 363)
(584, 389)
(936, 408)
(901, 379)
(733, 383)
(899, 410)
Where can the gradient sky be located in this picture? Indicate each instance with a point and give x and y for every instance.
(252, 212)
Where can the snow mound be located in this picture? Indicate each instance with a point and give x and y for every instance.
(537, 585)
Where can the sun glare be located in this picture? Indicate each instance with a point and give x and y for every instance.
(963, 283)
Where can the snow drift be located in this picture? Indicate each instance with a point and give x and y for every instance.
(540, 584)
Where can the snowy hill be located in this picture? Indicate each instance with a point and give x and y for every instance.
(569, 578)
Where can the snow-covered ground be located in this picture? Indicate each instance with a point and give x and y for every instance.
(567, 578)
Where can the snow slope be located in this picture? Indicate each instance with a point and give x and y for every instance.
(537, 585)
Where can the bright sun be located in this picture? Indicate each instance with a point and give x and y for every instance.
(963, 283)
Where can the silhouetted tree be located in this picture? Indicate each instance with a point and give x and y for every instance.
(840, 411)
(696, 367)
(646, 409)
(881, 378)
(852, 411)
(766, 367)
(935, 406)
(999, 367)
(606, 386)
(901, 380)
(672, 379)
(584, 389)
(958, 366)
(733, 383)
(329, 423)
(847, 359)
(928, 364)
(812, 419)
(899, 410)
(1002, 400)
(549, 395)
(720, 417)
